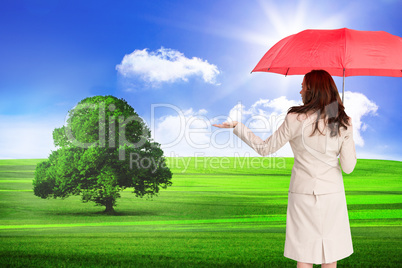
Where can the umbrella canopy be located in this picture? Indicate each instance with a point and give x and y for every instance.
(341, 52)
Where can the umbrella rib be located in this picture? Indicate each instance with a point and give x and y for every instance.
(279, 52)
(343, 87)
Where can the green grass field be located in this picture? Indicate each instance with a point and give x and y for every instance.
(220, 212)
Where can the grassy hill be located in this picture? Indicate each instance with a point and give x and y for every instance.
(227, 212)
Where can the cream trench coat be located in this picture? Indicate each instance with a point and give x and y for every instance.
(316, 167)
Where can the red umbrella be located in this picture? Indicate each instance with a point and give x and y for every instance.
(341, 52)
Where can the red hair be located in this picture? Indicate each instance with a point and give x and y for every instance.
(322, 97)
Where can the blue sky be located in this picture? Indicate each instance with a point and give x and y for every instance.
(55, 53)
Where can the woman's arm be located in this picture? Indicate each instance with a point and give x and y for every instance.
(264, 147)
(347, 154)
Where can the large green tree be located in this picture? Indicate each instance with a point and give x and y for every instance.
(103, 148)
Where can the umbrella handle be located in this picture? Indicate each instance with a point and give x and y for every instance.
(343, 87)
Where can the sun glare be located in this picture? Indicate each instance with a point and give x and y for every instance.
(283, 18)
(268, 22)
(291, 17)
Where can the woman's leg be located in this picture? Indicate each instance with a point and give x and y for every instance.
(304, 265)
(329, 265)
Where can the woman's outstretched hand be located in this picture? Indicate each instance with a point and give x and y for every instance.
(226, 124)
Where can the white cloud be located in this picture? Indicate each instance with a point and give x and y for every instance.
(263, 107)
(357, 106)
(238, 113)
(166, 65)
(276, 106)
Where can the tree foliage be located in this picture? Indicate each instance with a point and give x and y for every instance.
(103, 148)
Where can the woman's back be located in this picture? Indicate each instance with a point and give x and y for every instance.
(316, 168)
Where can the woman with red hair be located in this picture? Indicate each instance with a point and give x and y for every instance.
(317, 222)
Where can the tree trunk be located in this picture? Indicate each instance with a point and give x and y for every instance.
(109, 207)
